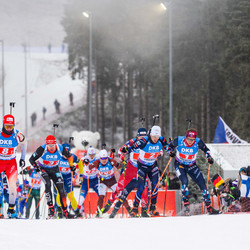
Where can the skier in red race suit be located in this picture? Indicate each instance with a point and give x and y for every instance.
(106, 172)
(9, 140)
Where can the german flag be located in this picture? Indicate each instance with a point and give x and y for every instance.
(217, 180)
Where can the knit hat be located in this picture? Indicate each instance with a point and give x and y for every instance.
(155, 131)
(141, 132)
(8, 120)
(50, 139)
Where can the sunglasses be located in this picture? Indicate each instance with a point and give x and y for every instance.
(9, 126)
(104, 158)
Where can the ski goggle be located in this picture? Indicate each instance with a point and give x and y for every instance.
(104, 158)
(9, 126)
(190, 139)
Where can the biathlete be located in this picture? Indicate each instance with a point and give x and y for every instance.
(105, 166)
(88, 178)
(46, 159)
(128, 179)
(185, 150)
(149, 149)
(9, 140)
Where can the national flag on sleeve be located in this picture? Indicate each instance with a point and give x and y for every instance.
(217, 180)
(223, 134)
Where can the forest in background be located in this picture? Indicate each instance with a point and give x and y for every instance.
(211, 49)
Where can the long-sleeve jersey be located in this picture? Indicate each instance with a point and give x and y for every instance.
(87, 173)
(65, 167)
(105, 171)
(187, 154)
(148, 151)
(8, 145)
(35, 179)
(47, 159)
(133, 156)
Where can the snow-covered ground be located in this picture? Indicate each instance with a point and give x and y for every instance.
(204, 232)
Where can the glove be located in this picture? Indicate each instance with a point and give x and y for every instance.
(80, 179)
(171, 153)
(112, 150)
(124, 149)
(86, 161)
(210, 160)
(37, 168)
(73, 168)
(22, 163)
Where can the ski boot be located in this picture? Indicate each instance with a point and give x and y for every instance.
(67, 215)
(106, 208)
(129, 211)
(114, 212)
(112, 215)
(144, 213)
(134, 212)
(1, 216)
(186, 208)
(12, 213)
(212, 210)
(59, 213)
(51, 212)
(153, 211)
(98, 213)
(78, 214)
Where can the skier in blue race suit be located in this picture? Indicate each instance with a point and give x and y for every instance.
(150, 147)
(185, 149)
(46, 159)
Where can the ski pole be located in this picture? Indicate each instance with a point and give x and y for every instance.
(162, 174)
(88, 190)
(31, 188)
(124, 169)
(71, 188)
(208, 174)
(166, 192)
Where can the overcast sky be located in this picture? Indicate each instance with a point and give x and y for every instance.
(35, 22)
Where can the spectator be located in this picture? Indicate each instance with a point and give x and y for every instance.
(57, 106)
(71, 99)
(44, 111)
(244, 184)
(33, 119)
(49, 47)
(229, 196)
(63, 48)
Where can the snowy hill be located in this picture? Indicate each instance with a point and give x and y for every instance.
(47, 79)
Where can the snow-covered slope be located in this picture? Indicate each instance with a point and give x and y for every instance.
(179, 233)
(47, 79)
